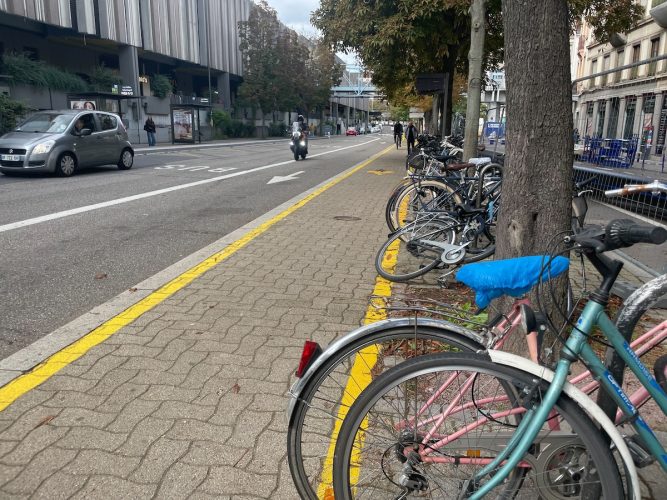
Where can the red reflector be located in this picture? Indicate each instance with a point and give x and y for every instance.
(311, 350)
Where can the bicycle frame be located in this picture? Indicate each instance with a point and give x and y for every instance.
(577, 345)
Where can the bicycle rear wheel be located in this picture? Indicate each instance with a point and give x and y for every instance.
(416, 197)
(417, 255)
(430, 424)
(324, 402)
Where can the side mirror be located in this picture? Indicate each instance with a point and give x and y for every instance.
(86, 131)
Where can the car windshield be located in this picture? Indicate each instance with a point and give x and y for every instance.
(46, 122)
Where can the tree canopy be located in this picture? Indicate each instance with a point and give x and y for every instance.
(282, 71)
(398, 39)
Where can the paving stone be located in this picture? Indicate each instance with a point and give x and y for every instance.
(144, 434)
(29, 421)
(113, 379)
(91, 462)
(68, 399)
(80, 417)
(209, 453)
(152, 364)
(235, 482)
(104, 487)
(9, 472)
(24, 403)
(34, 442)
(60, 486)
(171, 410)
(133, 413)
(193, 430)
(169, 393)
(102, 365)
(60, 382)
(152, 377)
(269, 450)
(181, 480)
(248, 427)
(81, 438)
(41, 467)
(121, 397)
(160, 457)
(183, 365)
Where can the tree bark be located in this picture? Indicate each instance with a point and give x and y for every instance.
(536, 199)
(435, 112)
(477, 14)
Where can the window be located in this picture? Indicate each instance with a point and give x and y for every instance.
(601, 112)
(630, 107)
(605, 67)
(655, 44)
(634, 71)
(620, 61)
(614, 108)
(107, 122)
(594, 66)
(84, 121)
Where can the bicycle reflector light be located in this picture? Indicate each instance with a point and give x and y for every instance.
(311, 350)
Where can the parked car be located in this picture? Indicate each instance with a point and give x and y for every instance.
(376, 128)
(351, 131)
(65, 141)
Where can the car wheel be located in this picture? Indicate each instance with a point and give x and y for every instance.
(126, 160)
(66, 165)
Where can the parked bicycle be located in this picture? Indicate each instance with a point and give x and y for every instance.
(461, 425)
(331, 379)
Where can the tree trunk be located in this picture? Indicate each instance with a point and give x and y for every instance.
(477, 14)
(435, 111)
(536, 200)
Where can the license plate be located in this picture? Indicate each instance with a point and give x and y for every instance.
(11, 158)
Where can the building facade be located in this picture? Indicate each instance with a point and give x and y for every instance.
(192, 42)
(627, 103)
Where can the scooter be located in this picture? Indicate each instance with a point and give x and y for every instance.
(299, 143)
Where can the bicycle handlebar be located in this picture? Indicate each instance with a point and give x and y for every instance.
(619, 233)
(654, 187)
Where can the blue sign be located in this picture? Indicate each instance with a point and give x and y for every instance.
(495, 129)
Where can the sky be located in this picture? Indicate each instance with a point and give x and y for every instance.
(296, 15)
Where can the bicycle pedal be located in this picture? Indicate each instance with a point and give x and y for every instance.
(640, 456)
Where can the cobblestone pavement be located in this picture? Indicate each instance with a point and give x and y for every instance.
(189, 400)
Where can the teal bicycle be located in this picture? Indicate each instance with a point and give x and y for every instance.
(468, 425)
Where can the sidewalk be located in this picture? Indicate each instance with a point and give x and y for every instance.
(189, 399)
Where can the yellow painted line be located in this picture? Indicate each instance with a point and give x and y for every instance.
(360, 374)
(45, 370)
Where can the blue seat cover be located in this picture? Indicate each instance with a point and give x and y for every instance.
(514, 277)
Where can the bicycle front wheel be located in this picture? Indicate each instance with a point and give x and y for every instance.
(418, 251)
(324, 402)
(427, 426)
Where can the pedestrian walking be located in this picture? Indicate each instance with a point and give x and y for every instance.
(411, 135)
(149, 127)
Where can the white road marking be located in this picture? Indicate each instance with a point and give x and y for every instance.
(149, 194)
(283, 178)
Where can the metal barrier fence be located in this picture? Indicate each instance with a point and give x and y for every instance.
(652, 205)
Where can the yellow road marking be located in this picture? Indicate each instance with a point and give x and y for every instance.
(360, 374)
(45, 370)
(380, 172)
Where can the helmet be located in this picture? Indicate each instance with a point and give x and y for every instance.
(300, 118)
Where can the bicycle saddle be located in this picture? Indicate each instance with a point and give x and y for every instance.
(514, 277)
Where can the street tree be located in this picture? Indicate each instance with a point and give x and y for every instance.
(397, 39)
(258, 41)
(539, 162)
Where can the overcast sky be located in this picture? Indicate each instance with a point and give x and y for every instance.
(296, 15)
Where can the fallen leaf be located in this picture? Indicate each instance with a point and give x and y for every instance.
(133, 289)
(236, 388)
(100, 276)
(45, 421)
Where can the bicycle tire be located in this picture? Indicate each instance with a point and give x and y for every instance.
(415, 258)
(566, 465)
(307, 476)
(406, 205)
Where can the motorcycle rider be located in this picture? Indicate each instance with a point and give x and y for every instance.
(300, 126)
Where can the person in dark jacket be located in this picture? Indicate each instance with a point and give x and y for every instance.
(398, 133)
(150, 129)
(411, 136)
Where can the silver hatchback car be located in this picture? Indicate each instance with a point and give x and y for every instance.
(64, 141)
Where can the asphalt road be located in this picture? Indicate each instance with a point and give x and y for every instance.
(58, 265)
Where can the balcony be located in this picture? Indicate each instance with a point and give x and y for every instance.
(659, 13)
